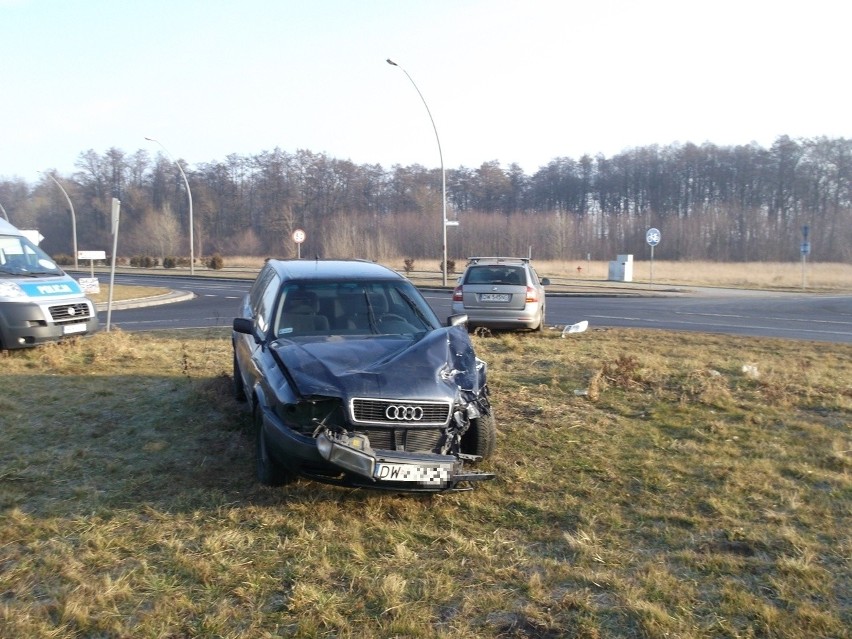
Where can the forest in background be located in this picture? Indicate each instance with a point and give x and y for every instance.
(718, 203)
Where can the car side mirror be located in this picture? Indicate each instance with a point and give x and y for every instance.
(455, 320)
(243, 325)
(246, 327)
(545, 281)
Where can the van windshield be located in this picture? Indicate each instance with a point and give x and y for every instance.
(21, 258)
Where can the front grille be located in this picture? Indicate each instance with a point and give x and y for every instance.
(402, 412)
(416, 440)
(70, 312)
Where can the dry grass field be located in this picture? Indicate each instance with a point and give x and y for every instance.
(648, 485)
(818, 276)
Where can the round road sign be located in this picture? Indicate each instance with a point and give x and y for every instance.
(299, 236)
(653, 237)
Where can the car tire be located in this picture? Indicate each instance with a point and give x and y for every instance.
(239, 387)
(269, 473)
(540, 326)
(481, 437)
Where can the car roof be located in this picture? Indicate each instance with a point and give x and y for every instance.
(332, 270)
(8, 229)
(498, 260)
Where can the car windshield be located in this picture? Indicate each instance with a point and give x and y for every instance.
(352, 308)
(502, 275)
(20, 257)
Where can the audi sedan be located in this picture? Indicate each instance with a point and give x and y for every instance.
(353, 380)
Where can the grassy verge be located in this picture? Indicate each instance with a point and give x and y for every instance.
(124, 292)
(649, 485)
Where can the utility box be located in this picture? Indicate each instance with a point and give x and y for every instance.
(621, 270)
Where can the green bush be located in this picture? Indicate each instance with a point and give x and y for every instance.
(144, 261)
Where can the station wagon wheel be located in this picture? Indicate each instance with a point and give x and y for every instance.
(540, 326)
(269, 473)
(239, 387)
(481, 438)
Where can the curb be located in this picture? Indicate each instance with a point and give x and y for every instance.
(142, 302)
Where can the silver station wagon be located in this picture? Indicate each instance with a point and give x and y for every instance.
(501, 292)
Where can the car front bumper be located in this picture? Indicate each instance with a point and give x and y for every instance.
(349, 460)
(28, 324)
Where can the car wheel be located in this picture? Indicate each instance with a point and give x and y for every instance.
(269, 473)
(239, 387)
(540, 326)
(481, 437)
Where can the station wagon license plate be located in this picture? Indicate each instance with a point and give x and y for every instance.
(431, 475)
(494, 297)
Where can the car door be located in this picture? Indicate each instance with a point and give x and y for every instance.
(258, 306)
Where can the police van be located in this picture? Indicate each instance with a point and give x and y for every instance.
(39, 302)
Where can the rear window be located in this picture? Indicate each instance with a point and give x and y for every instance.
(504, 275)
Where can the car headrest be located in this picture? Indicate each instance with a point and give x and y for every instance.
(302, 301)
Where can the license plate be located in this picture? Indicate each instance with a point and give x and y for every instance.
(494, 297)
(431, 475)
(69, 329)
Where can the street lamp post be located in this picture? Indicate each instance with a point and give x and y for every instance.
(443, 178)
(73, 216)
(189, 197)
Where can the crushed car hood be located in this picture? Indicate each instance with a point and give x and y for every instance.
(435, 366)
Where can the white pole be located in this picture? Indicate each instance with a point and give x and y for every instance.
(443, 179)
(189, 197)
(73, 216)
(115, 217)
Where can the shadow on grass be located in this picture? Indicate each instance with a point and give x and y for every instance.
(89, 444)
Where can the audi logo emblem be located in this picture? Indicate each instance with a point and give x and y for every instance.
(404, 413)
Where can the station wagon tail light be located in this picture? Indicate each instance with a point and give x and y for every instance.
(457, 294)
(532, 295)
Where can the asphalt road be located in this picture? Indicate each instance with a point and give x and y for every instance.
(802, 316)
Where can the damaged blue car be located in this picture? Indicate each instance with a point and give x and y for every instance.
(354, 381)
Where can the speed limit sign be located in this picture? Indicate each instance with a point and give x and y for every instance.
(299, 236)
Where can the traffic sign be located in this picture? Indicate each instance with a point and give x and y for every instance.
(653, 236)
(299, 236)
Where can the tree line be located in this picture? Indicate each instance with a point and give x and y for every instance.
(725, 203)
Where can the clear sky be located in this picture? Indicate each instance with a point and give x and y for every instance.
(521, 81)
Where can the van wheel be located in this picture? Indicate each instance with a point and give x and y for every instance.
(481, 437)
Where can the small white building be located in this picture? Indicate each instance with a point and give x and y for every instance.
(621, 270)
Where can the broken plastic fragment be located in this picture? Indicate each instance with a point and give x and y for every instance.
(579, 327)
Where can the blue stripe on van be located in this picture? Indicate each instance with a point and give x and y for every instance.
(51, 289)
